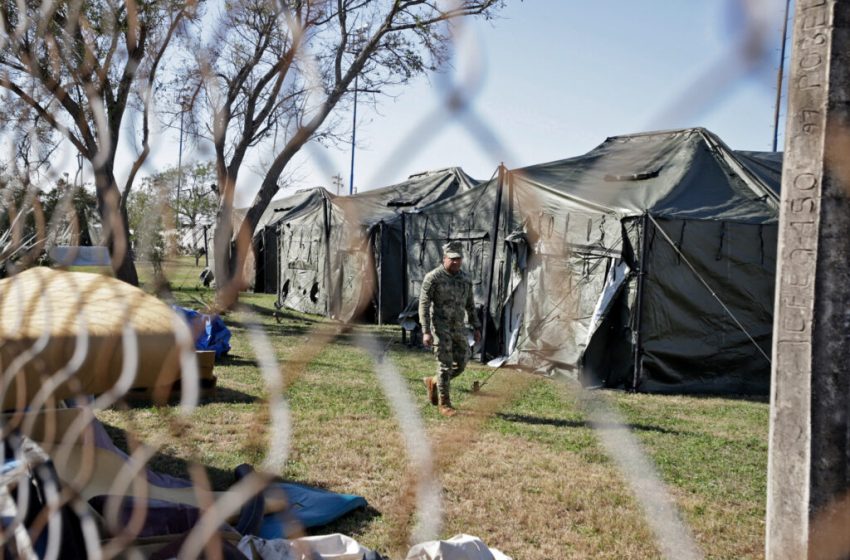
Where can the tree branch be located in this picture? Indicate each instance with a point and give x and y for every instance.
(146, 110)
(44, 113)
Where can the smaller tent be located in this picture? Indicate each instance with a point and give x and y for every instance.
(343, 256)
(300, 236)
(471, 218)
(265, 242)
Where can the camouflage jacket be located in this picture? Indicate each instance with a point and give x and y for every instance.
(443, 300)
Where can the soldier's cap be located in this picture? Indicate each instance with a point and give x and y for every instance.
(453, 250)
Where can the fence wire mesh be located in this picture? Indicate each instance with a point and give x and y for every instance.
(68, 71)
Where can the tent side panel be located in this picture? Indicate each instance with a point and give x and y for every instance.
(608, 360)
(389, 265)
(571, 254)
(270, 255)
(302, 264)
(352, 265)
(692, 344)
(258, 246)
(467, 218)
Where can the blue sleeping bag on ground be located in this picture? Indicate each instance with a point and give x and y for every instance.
(309, 507)
(209, 330)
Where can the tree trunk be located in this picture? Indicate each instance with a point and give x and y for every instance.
(116, 229)
(229, 254)
(221, 249)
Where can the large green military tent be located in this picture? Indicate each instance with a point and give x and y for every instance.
(647, 263)
(343, 256)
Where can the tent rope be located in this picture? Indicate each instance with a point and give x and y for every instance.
(707, 287)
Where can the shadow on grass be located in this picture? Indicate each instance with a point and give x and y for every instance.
(765, 399)
(272, 329)
(171, 465)
(335, 366)
(283, 314)
(287, 329)
(223, 394)
(561, 423)
(219, 395)
(231, 360)
(355, 523)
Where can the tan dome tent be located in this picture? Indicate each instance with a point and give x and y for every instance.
(647, 263)
(47, 315)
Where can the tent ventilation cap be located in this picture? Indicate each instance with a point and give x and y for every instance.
(611, 177)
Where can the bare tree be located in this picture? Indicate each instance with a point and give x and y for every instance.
(77, 65)
(281, 67)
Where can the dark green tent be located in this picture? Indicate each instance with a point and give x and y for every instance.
(265, 242)
(647, 263)
(342, 256)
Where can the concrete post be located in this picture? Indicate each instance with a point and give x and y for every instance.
(809, 462)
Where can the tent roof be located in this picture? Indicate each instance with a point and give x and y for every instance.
(418, 191)
(292, 204)
(371, 207)
(686, 173)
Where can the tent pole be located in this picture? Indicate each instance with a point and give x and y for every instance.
(327, 224)
(404, 284)
(494, 233)
(379, 273)
(641, 272)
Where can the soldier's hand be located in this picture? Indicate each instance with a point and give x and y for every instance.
(476, 336)
(427, 339)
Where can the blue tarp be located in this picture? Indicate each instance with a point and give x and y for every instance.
(68, 255)
(210, 331)
(309, 507)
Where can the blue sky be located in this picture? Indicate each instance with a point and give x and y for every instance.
(550, 79)
(554, 78)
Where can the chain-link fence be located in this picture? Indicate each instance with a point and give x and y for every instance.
(78, 351)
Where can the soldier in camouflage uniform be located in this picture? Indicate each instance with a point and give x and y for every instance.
(445, 295)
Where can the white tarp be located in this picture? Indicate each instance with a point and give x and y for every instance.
(459, 547)
(326, 547)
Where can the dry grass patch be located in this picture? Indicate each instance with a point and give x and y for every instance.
(520, 466)
(534, 503)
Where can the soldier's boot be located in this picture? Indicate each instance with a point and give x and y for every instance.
(446, 408)
(431, 387)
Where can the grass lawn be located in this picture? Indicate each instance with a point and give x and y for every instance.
(520, 467)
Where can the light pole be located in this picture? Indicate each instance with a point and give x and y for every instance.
(779, 77)
(353, 138)
(208, 221)
(180, 162)
(183, 105)
(358, 41)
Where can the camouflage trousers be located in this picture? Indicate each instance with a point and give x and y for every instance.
(452, 350)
